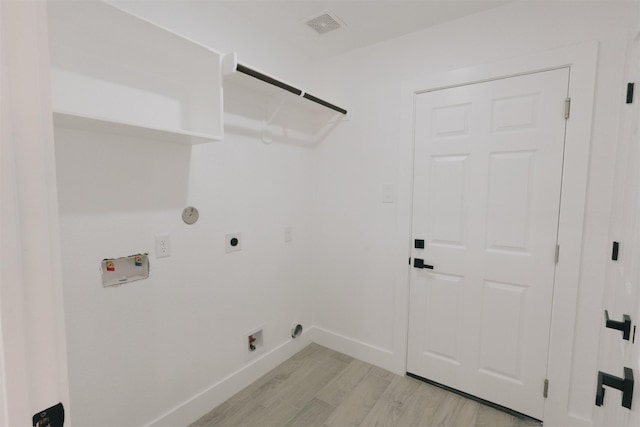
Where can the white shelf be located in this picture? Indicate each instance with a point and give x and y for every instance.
(95, 124)
(114, 72)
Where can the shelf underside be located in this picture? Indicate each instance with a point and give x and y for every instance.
(94, 124)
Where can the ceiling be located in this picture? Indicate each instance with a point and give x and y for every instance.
(366, 21)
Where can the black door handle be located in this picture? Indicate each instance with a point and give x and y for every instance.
(419, 263)
(624, 326)
(625, 385)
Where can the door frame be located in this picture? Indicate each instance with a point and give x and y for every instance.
(551, 88)
(582, 62)
(621, 228)
(33, 351)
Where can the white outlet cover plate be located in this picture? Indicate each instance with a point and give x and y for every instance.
(228, 238)
(163, 245)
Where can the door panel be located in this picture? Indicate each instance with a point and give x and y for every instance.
(487, 175)
(442, 301)
(500, 346)
(509, 202)
(447, 208)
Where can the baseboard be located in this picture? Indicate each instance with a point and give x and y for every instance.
(192, 409)
(198, 405)
(360, 350)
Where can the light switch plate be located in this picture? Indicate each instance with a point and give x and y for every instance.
(388, 192)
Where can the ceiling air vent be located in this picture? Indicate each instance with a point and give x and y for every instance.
(325, 22)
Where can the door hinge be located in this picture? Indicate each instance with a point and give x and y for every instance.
(567, 108)
(557, 253)
(630, 93)
(545, 391)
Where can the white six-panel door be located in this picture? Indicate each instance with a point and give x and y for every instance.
(487, 181)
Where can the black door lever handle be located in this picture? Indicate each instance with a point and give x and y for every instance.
(625, 385)
(624, 326)
(419, 263)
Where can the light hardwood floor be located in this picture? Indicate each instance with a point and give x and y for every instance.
(321, 387)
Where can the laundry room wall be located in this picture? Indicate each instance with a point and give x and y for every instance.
(169, 348)
(362, 244)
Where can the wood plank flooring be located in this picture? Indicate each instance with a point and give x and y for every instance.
(324, 388)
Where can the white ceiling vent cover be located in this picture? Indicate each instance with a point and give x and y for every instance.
(325, 22)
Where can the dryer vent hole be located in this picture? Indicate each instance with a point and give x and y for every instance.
(296, 331)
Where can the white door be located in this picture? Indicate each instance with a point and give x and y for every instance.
(622, 295)
(487, 178)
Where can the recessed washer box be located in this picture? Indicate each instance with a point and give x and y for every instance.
(233, 242)
(118, 271)
(254, 342)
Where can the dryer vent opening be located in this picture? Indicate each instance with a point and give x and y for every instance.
(296, 331)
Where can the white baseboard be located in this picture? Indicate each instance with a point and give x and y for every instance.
(366, 352)
(200, 404)
(192, 409)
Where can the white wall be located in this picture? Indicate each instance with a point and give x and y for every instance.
(362, 245)
(139, 351)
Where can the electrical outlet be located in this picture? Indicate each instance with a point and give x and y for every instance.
(233, 242)
(163, 246)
